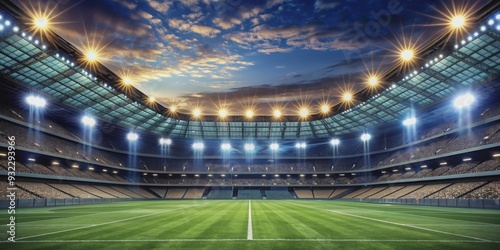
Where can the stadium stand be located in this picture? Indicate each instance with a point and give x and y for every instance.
(278, 194)
(303, 193)
(161, 192)
(249, 194)
(488, 191)
(220, 194)
(73, 191)
(425, 191)
(194, 193)
(175, 193)
(322, 193)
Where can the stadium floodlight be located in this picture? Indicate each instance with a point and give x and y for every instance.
(406, 55)
(373, 81)
(36, 101)
(347, 97)
(88, 121)
(410, 121)
(131, 136)
(463, 101)
(223, 113)
(457, 22)
(274, 146)
(225, 146)
(165, 141)
(277, 113)
(325, 108)
(196, 112)
(198, 146)
(304, 112)
(300, 145)
(41, 22)
(365, 137)
(335, 142)
(249, 146)
(249, 113)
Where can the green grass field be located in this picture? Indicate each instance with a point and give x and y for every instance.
(293, 224)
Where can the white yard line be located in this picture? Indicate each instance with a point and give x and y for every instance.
(250, 230)
(106, 223)
(397, 224)
(278, 239)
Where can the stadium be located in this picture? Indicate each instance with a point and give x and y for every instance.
(102, 150)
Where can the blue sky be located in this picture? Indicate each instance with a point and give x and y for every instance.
(236, 52)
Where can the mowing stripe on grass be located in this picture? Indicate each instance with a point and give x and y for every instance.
(277, 239)
(249, 231)
(107, 223)
(414, 215)
(397, 224)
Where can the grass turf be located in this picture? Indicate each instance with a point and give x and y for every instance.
(287, 224)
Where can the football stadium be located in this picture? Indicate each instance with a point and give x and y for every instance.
(249, 124)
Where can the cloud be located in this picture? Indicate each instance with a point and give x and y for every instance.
(226, 23)
(274, 50)
(127, 4)
(205, 31)
(145, 15)
(264, 96)
(281, 67)
(325, 4)
(161, 6)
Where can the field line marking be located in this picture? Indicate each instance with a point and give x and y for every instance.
(88, 214)
(417, 208)
(276, 239)
(107, 223)
(250, 230)
(398, 224)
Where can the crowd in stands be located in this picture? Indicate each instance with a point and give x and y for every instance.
(456, 190)
(488, 191)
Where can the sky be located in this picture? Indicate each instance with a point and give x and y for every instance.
(237, 54)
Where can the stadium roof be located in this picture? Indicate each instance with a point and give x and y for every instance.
(55, 71)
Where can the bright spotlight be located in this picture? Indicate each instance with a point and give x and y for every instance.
(365, 137)
(372, 81)
(410, 121)
(131, 136)
(300, 145)
(249, 146)
(127, 81)
(197, 112)
(173, 108)
(464, 101)
(277, 113)
(347, 97)
(274, 146)
(457, 22)
(325, 108)
(225, 146)
(198, 145)
(304, 112)
(41, 23)
(91, 56)
(249, 113)
(335, 142)
(407, 55)
(151, 99)
(88, 121)
(222, 113)
(165, 141)
(36, 101)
